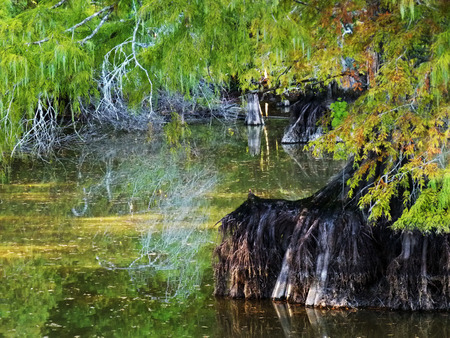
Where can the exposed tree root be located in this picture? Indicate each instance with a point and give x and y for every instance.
(305, 115)
(321, 251)
(310, 108)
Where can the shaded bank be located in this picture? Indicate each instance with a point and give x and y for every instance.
(320, 251)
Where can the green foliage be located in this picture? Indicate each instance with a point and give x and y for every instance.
(55, 73)
(397, 130)
(431, 211)
(396, 52)
(338, 112)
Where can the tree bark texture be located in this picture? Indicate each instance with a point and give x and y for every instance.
(320, 251)
(310, 108)
(305, 115)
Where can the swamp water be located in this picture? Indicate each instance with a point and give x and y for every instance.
(115, 238)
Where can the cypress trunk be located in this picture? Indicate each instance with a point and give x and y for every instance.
(254, 117)
(321, 251)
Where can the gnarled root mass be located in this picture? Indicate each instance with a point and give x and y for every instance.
(321, 251)
(305, 115)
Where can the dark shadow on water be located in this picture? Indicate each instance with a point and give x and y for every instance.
(276, 319)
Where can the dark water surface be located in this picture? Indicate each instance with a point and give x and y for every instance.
(115, 239)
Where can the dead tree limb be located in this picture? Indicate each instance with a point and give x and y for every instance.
(102, 22)
(37, 42)
(89, 18)
(58, 4)
(72, 29)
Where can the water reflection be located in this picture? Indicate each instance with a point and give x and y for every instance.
(311, 168)
(254, 139)
(115, 239)
(269, 319)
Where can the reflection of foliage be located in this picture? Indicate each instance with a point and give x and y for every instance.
(41, 300)
(167, 185)
(41, 291)
(4, 171)
(175, 131)
(132, 187)
(178, 256)
(174, 244)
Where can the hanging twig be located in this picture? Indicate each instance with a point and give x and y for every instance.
(133, 47)
(72, 29)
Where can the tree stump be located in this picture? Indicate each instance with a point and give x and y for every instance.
(254, 117)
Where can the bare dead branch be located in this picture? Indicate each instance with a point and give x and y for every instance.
(90, 36)
(133, 47)
(305, 4)
(89, 18)
(71, 29)
(58, 4)
(37, 42)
